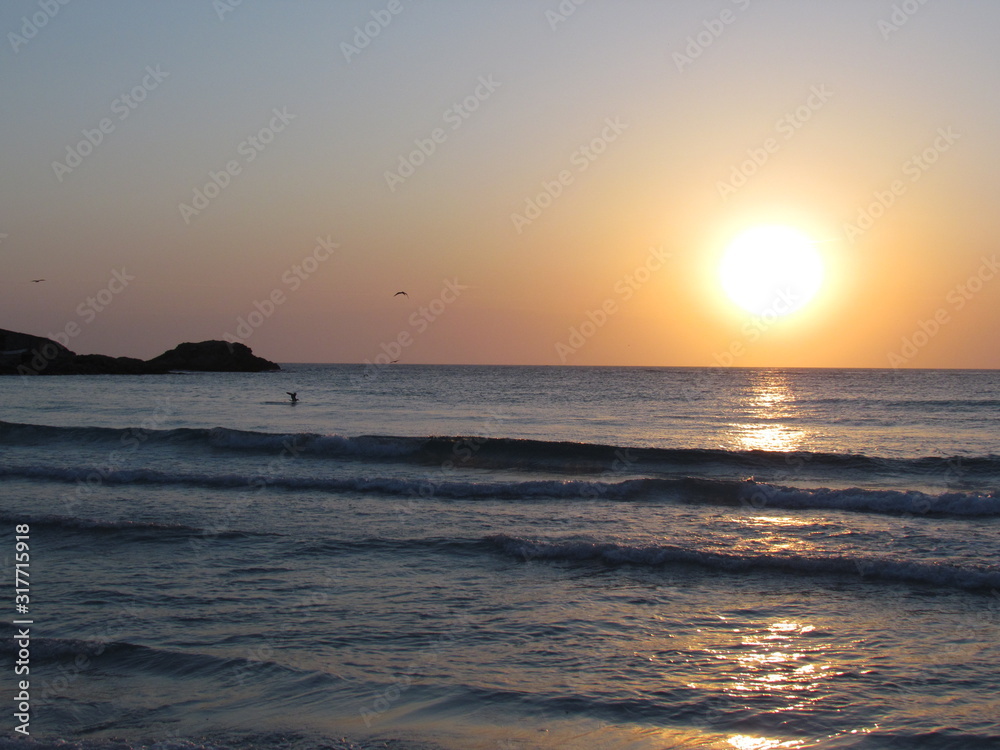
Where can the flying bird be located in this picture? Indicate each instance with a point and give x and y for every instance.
(295, 396)
(35, 281)
(399, 293)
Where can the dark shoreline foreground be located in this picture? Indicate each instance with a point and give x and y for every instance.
(24, 354)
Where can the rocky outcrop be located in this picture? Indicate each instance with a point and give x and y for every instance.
(24, 354)
(101, 364)
(213, 356)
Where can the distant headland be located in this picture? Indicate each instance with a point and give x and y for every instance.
(24, 354)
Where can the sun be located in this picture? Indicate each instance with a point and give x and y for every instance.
(773, 270)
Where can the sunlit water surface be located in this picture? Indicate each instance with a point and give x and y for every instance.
(487, 557)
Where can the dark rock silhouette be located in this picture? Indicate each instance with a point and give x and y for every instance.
(213, 356)
(32, 354)
(24, 354)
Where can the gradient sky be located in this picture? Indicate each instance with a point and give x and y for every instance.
(674, 96)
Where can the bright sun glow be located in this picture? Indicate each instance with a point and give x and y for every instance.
(771, 270)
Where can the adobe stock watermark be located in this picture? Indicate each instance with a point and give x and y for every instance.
(60, 676)
(262, 654)
(787, 126)
(117, 459)
(31, 25)
(88, 309)
(900, 16)
(714, 28)
(383, 700)
(123, 106)
(257, 484)
(366, 32)
(915, 167)
(455, 117)
(419, 321)
(785, 301)
(223, 8)
(292, 279)
(581, 159)
(956, 299)
(462, 452)
(624, 289)
(561, 12)
(249, 148)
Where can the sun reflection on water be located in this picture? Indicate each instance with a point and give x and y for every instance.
(768, 437)
(746, 742)
(784, 666)
(772, 665)
(769, 400)
(778, 668)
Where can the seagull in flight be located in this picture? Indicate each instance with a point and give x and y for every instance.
(35, 281)
(399, 293)
(295, 396)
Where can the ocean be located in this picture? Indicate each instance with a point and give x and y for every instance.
(416, 557)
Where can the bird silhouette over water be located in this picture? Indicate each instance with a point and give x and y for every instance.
(295, 396)
(399, 293)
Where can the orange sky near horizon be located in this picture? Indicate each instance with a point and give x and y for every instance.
(549, 187)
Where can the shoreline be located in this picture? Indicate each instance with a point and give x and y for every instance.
(27, 355)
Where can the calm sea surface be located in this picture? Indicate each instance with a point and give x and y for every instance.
(506, 557)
